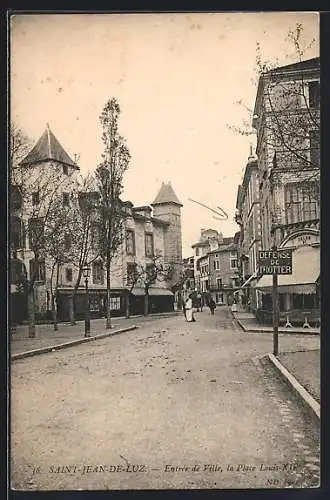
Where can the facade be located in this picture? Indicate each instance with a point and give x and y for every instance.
(248, 217)
(217, 269)
(188, 285)
(287, 121)
(149, 231)
(209, 240)
(46, 169)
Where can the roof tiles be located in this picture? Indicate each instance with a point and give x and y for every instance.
(166, 194)
(48, 148)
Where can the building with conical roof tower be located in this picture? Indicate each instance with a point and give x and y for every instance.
(48, 149)
(46, 177)
(167, 207)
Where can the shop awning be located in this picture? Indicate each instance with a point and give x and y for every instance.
(305, 273)
(153, 292)
(252, 277)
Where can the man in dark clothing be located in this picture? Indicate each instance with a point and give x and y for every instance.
(212, 306)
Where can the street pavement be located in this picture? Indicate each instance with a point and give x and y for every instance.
(46, 336)
(171, 405)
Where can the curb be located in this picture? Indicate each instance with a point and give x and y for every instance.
(289, 331)
(295, 385)
(71, 343)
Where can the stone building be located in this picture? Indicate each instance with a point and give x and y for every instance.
(209, 240)
(248, 217)
(45, 170)
(149, 231)
(287, 122)
(188, 284)
(217, 268)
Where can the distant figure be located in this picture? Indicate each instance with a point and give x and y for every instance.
(212, 306)
(184, 308)
(189, 309)
(200, 302)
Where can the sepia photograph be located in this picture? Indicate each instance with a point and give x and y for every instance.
(164, 169)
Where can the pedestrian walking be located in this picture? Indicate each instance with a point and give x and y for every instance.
(189, 309)
(184, 308)
(212, 306)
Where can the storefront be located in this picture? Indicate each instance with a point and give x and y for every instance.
(160, 300)
(299, 296)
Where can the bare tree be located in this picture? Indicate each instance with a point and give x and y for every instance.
(287, 118)
(20, 145)
(85, 232)
(40, 192)
(149, 273)
(109, 177)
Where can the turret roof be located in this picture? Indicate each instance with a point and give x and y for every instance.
(48, 148)
(166, 194)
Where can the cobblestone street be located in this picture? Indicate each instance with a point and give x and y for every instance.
(169, 405)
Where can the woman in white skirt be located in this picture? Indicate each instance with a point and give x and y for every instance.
(189, 309)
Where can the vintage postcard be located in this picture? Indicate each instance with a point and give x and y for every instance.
(164, 170)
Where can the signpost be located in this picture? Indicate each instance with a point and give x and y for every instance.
(275, 262)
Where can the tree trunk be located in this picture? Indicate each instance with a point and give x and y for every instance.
(108, 311)
(71, 299)
(54, 313)
(146, 302)
(31, 312)
(127, 304)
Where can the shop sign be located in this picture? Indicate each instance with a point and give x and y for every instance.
(275, 261)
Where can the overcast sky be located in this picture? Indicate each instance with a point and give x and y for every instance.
(176, 77)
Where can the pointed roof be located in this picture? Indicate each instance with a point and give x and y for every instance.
(166, 194)
(48, 148)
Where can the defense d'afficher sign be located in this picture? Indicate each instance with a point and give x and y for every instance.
(275, 261)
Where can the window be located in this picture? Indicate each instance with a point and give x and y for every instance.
(217, 265)
(314, 94)
(66, 199)
(114, 303)
(314, 147)
(95, 304)
(149, 244)
(68, 274)
(95, 233)
(302, 202)
(98, 275)
(35, 198)
(131, 274)
(197, 252)
(37, 270)
(67, 241)
(17, 233)
(65, 170)
(219, 283)
(235, 282)
(36, 233)
(300, 301)
(151, 274)
(233, 260)
(130, 242)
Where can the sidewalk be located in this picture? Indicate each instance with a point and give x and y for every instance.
(305, 367)
(47, 337)
(250, 324)
(300, 369)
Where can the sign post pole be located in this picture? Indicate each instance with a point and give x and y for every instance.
(275, 262)
(275, 315)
